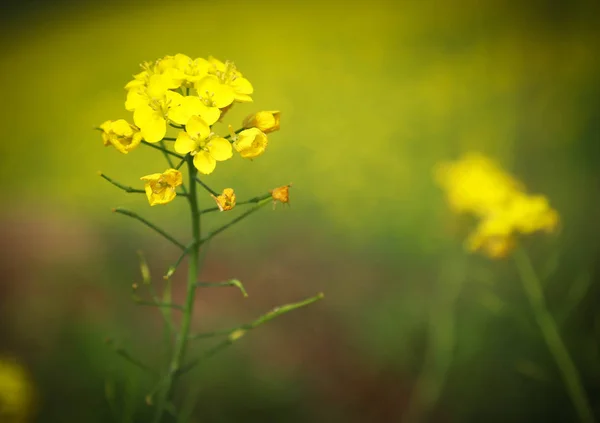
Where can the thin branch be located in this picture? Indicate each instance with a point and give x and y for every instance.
(239, 203)
(150, 225)
(206, 187)
(239, 332)
(121, 186)
(233, 282)
(234, 221)
(184, 253)
(164, 150)
(128, 357)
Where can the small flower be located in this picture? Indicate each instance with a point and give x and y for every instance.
(206, 147)
(250, 143)
(476, 185)
(266, 121)
(281, 194)
(121, 134)
(228, 74)
(160, 187)
(225, 201)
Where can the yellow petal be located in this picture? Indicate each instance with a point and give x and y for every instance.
(187, 107)
(220, 149)
(242, 86)
(184, 143)
(204, 162)
(197, 128)
(151, 123)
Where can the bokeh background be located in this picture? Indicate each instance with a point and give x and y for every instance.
(372, 95)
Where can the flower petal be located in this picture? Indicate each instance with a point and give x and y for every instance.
(197, 128)
(153, 126)
(187, 107)
(204, 162)
(220, 149)
(184, 143)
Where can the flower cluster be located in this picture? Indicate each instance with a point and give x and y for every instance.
(188, 96)
(478, 186)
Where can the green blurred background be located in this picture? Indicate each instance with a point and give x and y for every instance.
(372, 95)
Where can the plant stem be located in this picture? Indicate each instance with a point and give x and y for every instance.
(551, 335)
(188, 308)
(240, 331)
(150, 225)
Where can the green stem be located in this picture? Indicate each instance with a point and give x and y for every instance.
(150, 225)
(170, 162)
(239, 203)
(233, 282)
(121, 186)
(240, 331)
(234, 221)
(206, 187)
(184, 253)
(164, 150)
(182, 338)
(569, 373)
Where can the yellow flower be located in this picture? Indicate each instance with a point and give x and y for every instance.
(17, 394)
(213, 93)
(120, 134)
(532, 214)
(206, 147)
(281, 194)
(475, 184)
(250, 143)
(493, 236)
(266, 121)
(225, 201)
(152, 117)
(228, 74)
(160, 187)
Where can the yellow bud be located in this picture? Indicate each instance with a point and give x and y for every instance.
(266, 121)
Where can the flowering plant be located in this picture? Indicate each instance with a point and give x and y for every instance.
(478, 186)
(189, 96)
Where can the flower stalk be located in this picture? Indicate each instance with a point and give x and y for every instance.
(572, 380)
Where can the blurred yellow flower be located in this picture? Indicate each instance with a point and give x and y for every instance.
(16, 392)
(475, 184)
(121, 135)
(206, 147)
(250, 143)
(281, 194)
(478, 186)
(160, 187)
(266, 121)
(225, 201)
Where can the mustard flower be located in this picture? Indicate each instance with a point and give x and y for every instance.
(266, 121)
(206, 147)
(476, 185)
(228, 75)
(153, 116)
(250, 143)
(121, 135)
(160, 187)
(225, 201)
(183, 69)
(213, 93)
